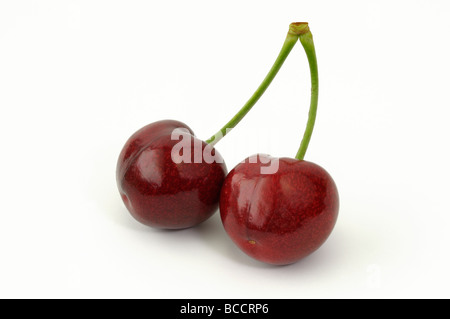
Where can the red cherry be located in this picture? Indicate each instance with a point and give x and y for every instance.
(278, 218)
(161, 193)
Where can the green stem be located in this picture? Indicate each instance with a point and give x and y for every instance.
(306, 39)
(290, 42)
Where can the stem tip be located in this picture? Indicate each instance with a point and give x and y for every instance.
(299, 28)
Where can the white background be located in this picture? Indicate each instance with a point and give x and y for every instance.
(77, 78)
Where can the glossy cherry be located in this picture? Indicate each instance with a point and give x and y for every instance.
(282, 216)
(279, 210)
(160, 192)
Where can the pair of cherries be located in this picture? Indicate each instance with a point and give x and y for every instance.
(277, 210)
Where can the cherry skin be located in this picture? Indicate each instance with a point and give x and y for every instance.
(163, 193)
(282, 217)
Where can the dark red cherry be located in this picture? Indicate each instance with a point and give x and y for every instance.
(163, 193)
(278, 212)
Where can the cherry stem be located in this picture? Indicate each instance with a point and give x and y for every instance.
(306, 40)
(288, 45)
